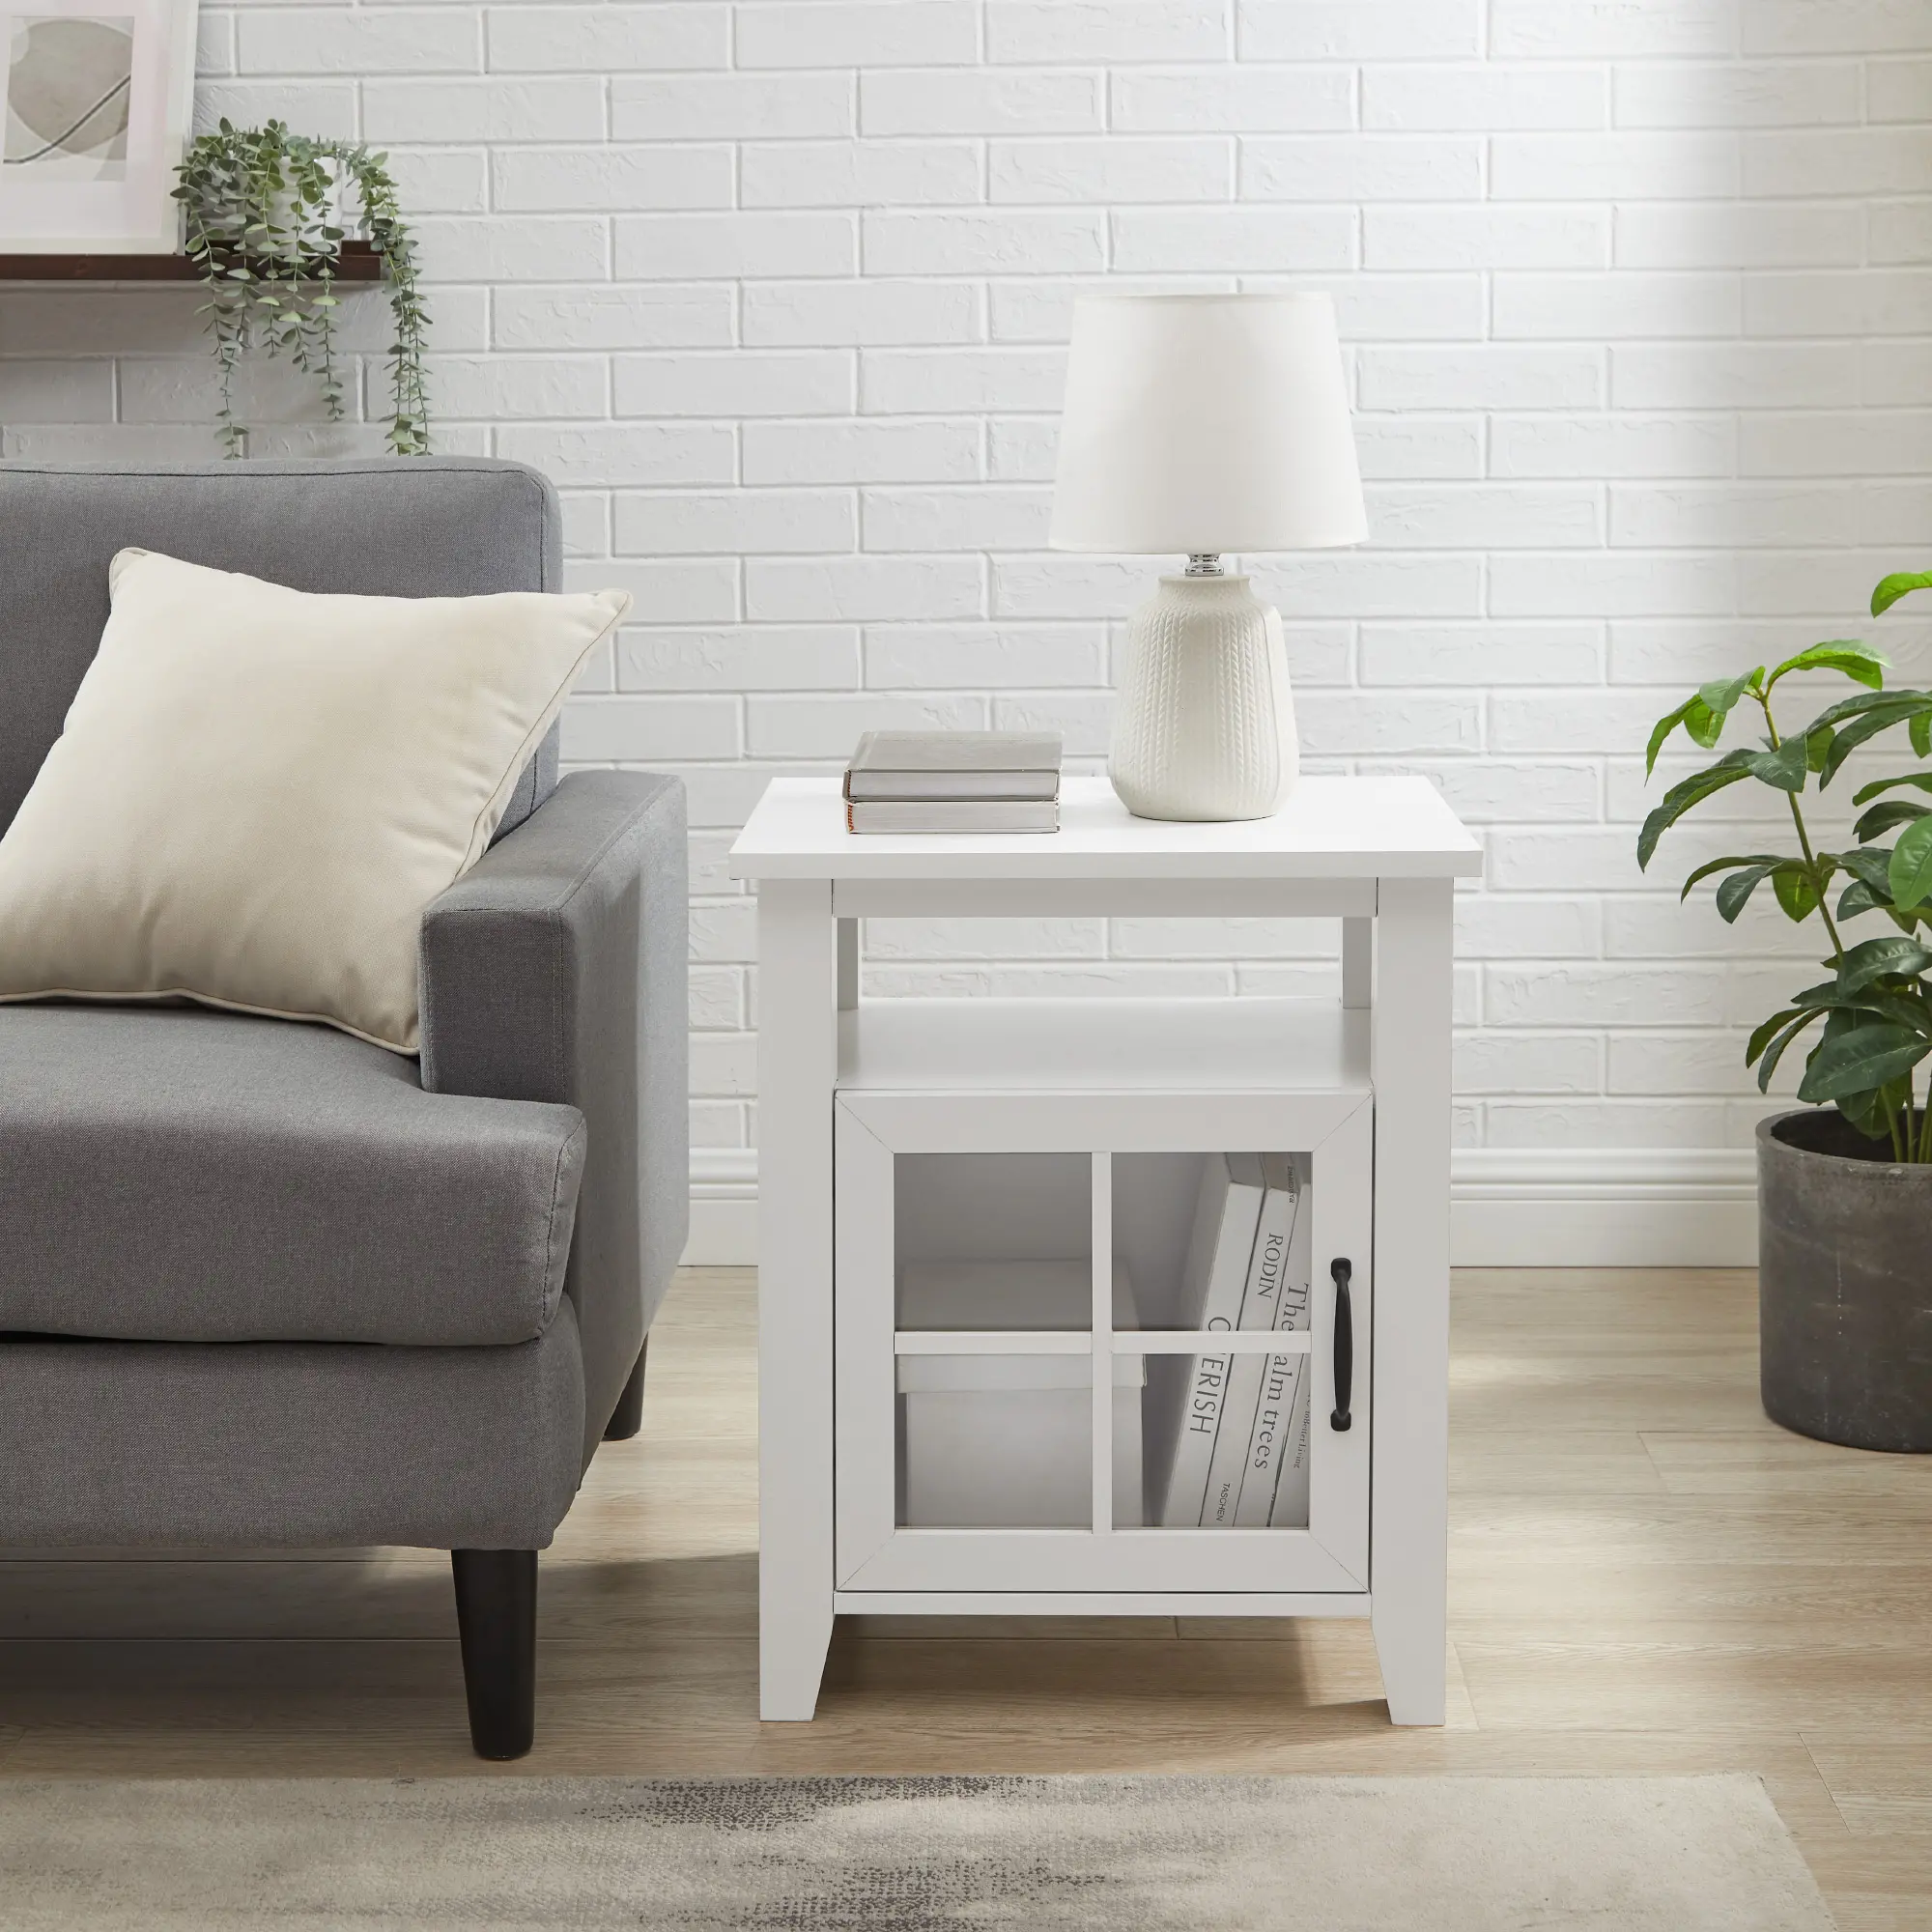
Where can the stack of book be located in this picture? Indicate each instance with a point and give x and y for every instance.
(954, 781)
(1232, 1447)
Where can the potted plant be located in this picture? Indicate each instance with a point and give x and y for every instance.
(1845, 1186)
(265, 227)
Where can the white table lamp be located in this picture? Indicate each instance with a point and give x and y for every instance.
(1200, 424)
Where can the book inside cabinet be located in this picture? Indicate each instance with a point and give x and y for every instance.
(1137, 1365)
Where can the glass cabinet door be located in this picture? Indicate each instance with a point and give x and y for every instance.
(1077, 1368)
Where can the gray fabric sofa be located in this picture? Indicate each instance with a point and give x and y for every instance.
(263, 1284)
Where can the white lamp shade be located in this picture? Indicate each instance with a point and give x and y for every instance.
(1205, 423)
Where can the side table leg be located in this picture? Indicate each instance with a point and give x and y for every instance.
(1409, 1516)
(798, 1016)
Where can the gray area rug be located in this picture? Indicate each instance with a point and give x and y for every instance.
(921, 1854)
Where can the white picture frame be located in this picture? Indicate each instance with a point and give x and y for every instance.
(96, 105)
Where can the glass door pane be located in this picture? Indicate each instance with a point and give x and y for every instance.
(996, 1441)
(994, 1335)
(1221, 1243)
(999, 1242)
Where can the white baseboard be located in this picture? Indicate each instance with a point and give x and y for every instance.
(724, 1208)
(1512, 1207)
(1603, 1208)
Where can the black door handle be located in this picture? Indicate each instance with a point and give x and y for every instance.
(1344, 1343)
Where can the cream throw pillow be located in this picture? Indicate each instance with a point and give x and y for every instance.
(257, 791)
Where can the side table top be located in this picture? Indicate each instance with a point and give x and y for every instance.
(1331, 828)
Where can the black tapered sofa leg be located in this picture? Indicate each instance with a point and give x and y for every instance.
(628, 1417)
(496, 1621)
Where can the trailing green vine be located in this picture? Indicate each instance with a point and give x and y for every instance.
(264, 230)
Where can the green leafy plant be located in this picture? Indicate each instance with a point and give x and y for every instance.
(1876, 1008)
(261, 208)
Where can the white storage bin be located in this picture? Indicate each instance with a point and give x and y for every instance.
(1005, 1441)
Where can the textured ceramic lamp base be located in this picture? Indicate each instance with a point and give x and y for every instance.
(1204, 726)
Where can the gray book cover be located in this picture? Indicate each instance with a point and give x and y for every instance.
(957, 751)
(956, 765)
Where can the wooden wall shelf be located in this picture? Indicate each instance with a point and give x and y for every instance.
(359, 263)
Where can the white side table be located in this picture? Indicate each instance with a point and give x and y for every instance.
(946, 1130)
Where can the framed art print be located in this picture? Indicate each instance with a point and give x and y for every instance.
(99, 96)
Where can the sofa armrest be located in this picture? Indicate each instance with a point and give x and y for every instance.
(554, 969)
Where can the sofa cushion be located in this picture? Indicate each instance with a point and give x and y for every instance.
(170, 1175)
(258, 790)
(433, 526)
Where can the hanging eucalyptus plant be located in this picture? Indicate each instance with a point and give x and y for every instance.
(1877, 1005)
(264, 214)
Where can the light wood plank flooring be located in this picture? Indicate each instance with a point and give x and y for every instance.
(1646, 1576)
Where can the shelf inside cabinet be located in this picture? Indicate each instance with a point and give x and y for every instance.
(1145, 1046)
(991, 1342)
(1125, 1342)
(1218, 1341)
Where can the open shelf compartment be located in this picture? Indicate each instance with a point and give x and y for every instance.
(1234, 1046)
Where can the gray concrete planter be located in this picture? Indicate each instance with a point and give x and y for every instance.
(1844, 1285)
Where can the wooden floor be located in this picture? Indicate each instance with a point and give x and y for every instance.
(1645, 1576)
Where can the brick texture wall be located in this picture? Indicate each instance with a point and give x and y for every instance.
(1637, 304)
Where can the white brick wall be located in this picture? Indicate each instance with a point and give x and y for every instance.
(1639, 295)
